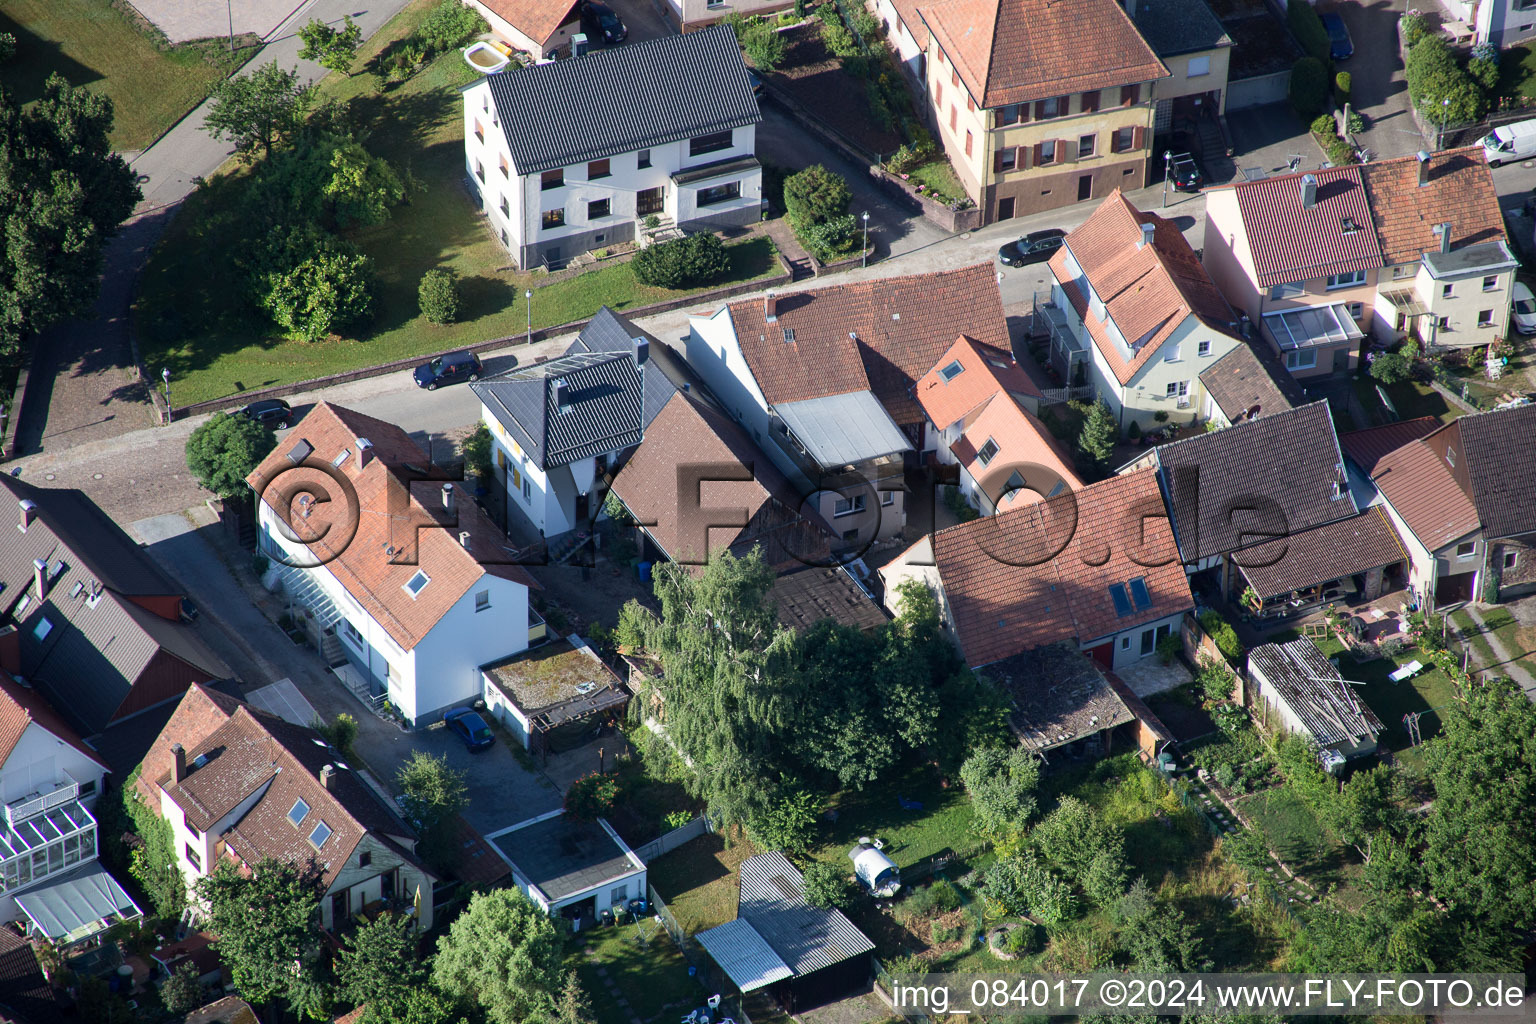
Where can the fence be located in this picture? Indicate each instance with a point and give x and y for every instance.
(673, 839)
(1060, 396)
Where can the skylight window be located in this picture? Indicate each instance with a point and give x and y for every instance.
(952, 371)
(1139, 593)
(416, 584)
(789, 335)
(338, 460)
(987, 453)
(298, 812)
(42, 629)
(321, 833)
(1121, 598)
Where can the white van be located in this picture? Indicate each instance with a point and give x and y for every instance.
(1511, 142)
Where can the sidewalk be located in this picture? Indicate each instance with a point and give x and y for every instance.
(1507, 663)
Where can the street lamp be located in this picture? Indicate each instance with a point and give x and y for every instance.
(528, 304)
(1167, 173)
(230, 10)
(865, 262)
(165, 375)
(1445, 115)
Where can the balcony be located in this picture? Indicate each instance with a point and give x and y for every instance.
(47, 843)
(35, 805)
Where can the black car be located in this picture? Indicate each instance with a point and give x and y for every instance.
(1184, 173)
(1340, 46)
(601, 25)
(449, 369)
(1035, 247)
(269, 412)
(470, 728)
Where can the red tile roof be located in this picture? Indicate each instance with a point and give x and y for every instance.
(1366, 447)
(906, 10)
(1459, 191)
(1041, 574)
(902, 325)
(395, 534)
(536, 19)
(201, 711)
(1290, 243)
(21, 706)
(984, 371)
(1024, 446)
(1008, 51)
(1149, 291)
(1423, 491)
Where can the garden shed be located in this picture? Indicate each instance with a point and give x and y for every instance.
(1297, 682)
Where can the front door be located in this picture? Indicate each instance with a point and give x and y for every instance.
(1148, 642)
(1005, 208)
(651, 200)
(338, 909)
(583, 507)
(1085, 187)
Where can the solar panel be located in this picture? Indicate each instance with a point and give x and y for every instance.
(1121, 598)
(1139, 593)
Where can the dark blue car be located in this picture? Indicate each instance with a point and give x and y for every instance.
(1340, 47)
(469, 727)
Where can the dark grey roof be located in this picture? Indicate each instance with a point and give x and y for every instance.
(1487, 257)
(562, 855)
(804, 937)
(1219, 485)
(1172, 27)
(602, 413)
(609, 332)
(99, 641)
(627, 98)
(1316, 691)
(1501, 463)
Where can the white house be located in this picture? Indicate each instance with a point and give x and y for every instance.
(577, 869)
(256, 787)
(408, 588)
(573, 155)
(558, 425)
(50, 780)
(1142, 310)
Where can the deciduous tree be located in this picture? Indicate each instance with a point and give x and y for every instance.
(265, 922)
(378, 964)
(222, 452)
(504, 953)
(331, 47)
(1001, 784)
(433, 794)
(261, 109)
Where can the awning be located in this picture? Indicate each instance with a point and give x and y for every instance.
(1406, 301)
(1307, 326)
(77, 905)
(744, 955)
(718, 169)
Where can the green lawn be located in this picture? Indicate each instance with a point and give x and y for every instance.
(697, 881)
(1295, 834)
(943, 826)
(1431, 688)
(645, 966)
(1410, 398)
(938, 178)
(194, 323)
(94, 45)
(1475, 639)
(1517, 72)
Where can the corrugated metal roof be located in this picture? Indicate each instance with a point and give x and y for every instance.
(744, 956)
(843, 430)
(627, 98)
(1307, 681)
(603, 410)
(805, 938)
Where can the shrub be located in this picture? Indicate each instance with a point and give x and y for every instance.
(1340, 152)
(832, 239)
(1133, 432)
(1216, 684)
(1309, 82)
(450, 25)
(1169, 648)
(789, 820)
(1325, 126)
(761, 42)
(1414, 29)
(311, 284)
(683, 262)
(1023, 940)
(1439, 87)
(1485, 72)
(1356, 123)
(943, 933)
(592, 796)
(826, 887)
(1342, 83)
(802, 8)
(1310, 33)
(1395, 367)
(1223, 634)
(478, 451)
(438, 295)
(815, 195)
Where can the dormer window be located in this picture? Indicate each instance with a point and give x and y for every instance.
(297, 812)
(952, 371)
(417, 583)
(789, 335)
(42, 629)
(339, 459)
(1348, 226)
(987, 452)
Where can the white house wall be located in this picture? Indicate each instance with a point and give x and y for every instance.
(450, 655)
(505, 712)
(364, 885)
(1147, 392)
(41, 762)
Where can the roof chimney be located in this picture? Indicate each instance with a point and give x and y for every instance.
(770, 307)
(327, 773)
(40, 575)
(464, 539)
(642, 351)
(448, 498)
(364, 452)
(179, 762)
(1308, 191)
(562, 395)
(1423, 156)
(1444, 231)
(28, 513)
(1147, 231)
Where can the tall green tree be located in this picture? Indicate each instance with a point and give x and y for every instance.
(268, 936)
(261, 109)
(63, 194)
(433, 794)
(330, 47)
(573, 1006)
(1096, 441)
(222, 452)
(378, 964)
(503, 953)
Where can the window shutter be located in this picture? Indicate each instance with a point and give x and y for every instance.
(1090, 101)
(1021, 161)
(1023, 113)
(1063, 106)
(1040, 110)
(997, 162)
(1038, 155)
(1114, 141)
(1130, 95)
(970, 104)
(1138, 137)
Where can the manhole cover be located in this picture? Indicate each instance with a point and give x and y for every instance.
(965, 237)
(95, 476)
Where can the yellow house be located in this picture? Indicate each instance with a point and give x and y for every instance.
(1040, 103)
(1197, 51)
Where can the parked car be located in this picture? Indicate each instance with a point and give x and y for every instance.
(468, 726)
(449, 369)
(269, 412)
(1184, 173)
(1510, 142)
(1525, 308)
(1340, 46)
(601, 25)
(1035, 247)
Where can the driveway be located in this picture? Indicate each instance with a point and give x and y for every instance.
(643, 18)
(1377, 86)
